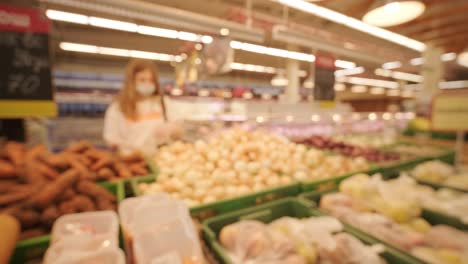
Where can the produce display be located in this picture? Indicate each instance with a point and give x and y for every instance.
(238, 162)
(369, 153)
(295, 241)
(37, 164)
(381, 210)
(366, 139)
(417, 150)
(37, 193)
(440, 173)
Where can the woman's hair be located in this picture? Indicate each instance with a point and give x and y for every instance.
(128, 96)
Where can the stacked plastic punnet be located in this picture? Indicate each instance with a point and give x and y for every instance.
(158, 230)
(85, 238)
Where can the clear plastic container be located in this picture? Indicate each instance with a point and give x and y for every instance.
(108, 255)
(100, 226)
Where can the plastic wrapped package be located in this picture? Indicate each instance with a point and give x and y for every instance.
(295, 241)
(157, 230)
(84, 238)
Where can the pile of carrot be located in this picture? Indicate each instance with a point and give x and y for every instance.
(36, 186)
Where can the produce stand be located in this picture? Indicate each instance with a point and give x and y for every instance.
(35, 247)
(292, 207)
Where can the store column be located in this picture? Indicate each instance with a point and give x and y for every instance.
(292, 73)
(432, 70)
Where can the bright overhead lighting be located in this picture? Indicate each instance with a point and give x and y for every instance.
(224, 31)
(309, 83)
(383, 72)
(203, 92)
(399, 75)
(272, 51)
(353, 23)
(454, 84)
(393, 92)
(463, 59)
(339, 87)
(279, 79)
(76, 47)
(67, 17)
(158, 32)
(266, 96)
(377, 90)
(252, 68)
(386, 13)
(247, 95)
(387, 116)
(345, 64)
(315, 118)
(416, 61)
(372, 116)
(126, 26)
(352, 71)
(112, 24)
(448, 56)
(368, 82)
(391, 65)
(358, 89)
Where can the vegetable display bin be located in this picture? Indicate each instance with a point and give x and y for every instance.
(211, 209)
(292, 207)
(34, 248)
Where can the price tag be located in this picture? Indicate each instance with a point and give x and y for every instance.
(25, 75)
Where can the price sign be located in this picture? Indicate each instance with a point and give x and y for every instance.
(25, 75)
(324, 77)
(450, 111)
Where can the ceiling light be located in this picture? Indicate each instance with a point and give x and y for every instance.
(182, 35)
(377, 90)
(198, 61)
(66, 17)
(253, 68)
(352, 71)
(353, 23)
(289, 118)
(358, 89)
(416, 61)
(227, 94)
(345, 64)
(368, 82)
(393, 92)
(372, 116)
(198, 46)
(279, 80)
(158, 32)
(247, 95)
(315, 118)
(448, 56)
(203, 92)
(336, 117)
(463, 59)
(177, 91)
(78, 47)
(114, 52)
(407, 76)
(260, 119)
(339, 87)
(224, 31)
(272, 51)
(454, 84)
(391, 65)
(266, 96)
(206, 39)
(383, 72)
(386, 13)
(113, 24)
(387, 116)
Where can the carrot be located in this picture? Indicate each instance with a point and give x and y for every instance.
(47, 171)
(15, 197)
(79, 147)
(7, 169)
(105, 174)
(138, 169)
(95, 191)
(15, 152)
(101, 163)
(82, 170)
(122, 170)
(36, 151)
(54, 160)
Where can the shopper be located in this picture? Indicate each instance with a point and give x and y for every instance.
(136, 120)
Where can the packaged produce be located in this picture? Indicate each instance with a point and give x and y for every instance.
(441, 173)
(10, 230)
(390, 211)
(238, 162)
(85, 238)
(369, 153)
(158, 229)
(295, 241)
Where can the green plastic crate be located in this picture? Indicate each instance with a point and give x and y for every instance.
(268, 212)
(207, 210)
(35, 248)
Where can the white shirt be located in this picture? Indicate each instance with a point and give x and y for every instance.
(143, 134)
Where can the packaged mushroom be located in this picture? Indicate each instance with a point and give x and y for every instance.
(238, 162)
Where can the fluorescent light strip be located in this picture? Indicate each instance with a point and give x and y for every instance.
(272, 51)
(76, 47)
(353, 23)
(368, 82)
(126, 26)
(399, 75)
(358, 89)
(391, 65)
(444, 57)
(352, 71)
(454, 84)
(345, 64)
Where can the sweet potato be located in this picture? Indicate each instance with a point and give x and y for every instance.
(83, 203)
(34, 232)
(67, 207)
(68, 194)
(49, 215)
(78, 166)
(47, 171)
(15, 152)
(138, 169)
(95, 191)
(7, 169)
(105, 174)
(58, 161)
(27, 218)
(122, 170)
(101, 163)
(34, 152)
(79, 147)
(95, 154)
(7, 185)
(31, 175)
(52, 191)
(15, 197)
(104, 204)
(132, 158)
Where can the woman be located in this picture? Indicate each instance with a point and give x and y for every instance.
(136, 120)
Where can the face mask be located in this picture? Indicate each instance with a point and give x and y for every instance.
(145, 89)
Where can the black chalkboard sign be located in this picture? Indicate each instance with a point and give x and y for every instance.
(25, 73)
